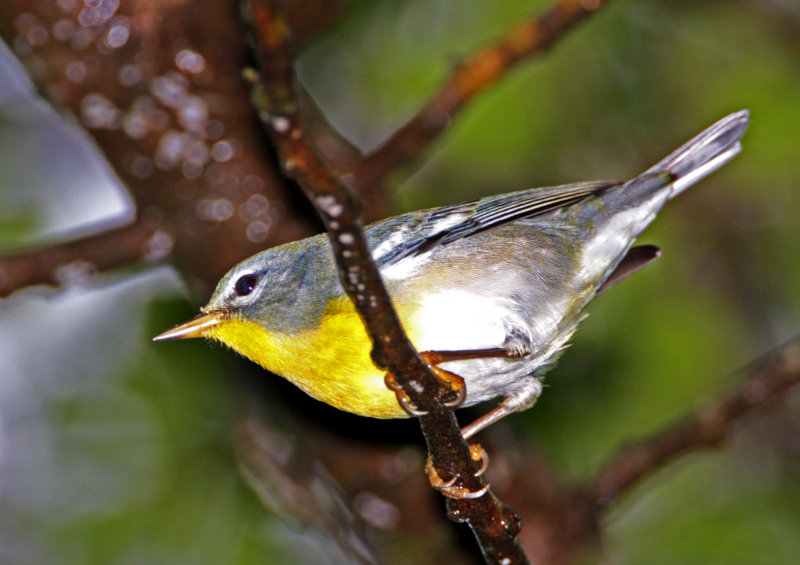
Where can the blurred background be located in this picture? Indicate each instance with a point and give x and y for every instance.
(117, 450)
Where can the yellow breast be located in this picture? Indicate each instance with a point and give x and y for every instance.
(330, 362)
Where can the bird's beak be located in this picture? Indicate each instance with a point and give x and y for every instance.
(196, 327)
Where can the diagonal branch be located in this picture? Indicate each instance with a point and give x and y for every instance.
(474, 74)
(769, 378)
(166, 109)
(494, 524)
(298, 489)
(53, 265)
(470, 77)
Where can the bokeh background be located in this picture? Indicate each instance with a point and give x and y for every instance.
(117, 450)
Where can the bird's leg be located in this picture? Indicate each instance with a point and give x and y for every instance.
(515, 347)
(503, 410)
(436, 357)
(455, 383)
(512, 349)
(526, 392)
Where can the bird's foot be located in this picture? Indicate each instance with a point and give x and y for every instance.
(457, 392)
(449, 488)
(453, 398)
(478, 453)
(402, 397)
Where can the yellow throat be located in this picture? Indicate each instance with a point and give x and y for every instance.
(330, 362)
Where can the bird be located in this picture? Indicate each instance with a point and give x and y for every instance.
(492, 289)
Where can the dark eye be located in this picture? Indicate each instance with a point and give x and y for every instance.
(246, 284)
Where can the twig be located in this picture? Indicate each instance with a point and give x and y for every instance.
(469, 78)
(771, 377)
(99, 252)
(300, 490)
(494, 524)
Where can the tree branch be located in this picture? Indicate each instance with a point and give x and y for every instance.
(770, 377)
(300, 489)
(476, 73)
(470, 77)
(55, 264)
(494, 524)
(164, 103)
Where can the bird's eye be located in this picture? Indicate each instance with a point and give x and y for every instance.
(246, 284)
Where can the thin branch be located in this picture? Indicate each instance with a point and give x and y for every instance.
(55, 264)
(300, 489)
(494, 524)
(771, 377)
(470, 77)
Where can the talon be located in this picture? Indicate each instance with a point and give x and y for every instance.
(454, 382)
(477, 453)
(402, 398)
(462, 493)
(408, 406)
(449, 488)
(433, 476)
(391, 382)
(461, 395)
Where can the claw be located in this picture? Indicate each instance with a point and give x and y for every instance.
(461, 395)
(454, 382)
(402, 397)
(408, 406)
(449, 488)
(391, 382)
(460, 493)
(479, 454)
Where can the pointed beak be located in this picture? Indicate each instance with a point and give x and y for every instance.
(196, 327)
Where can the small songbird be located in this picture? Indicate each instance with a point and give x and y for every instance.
(496, 285)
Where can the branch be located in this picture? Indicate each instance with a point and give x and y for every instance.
(56, 264)
(299, 489)
(164, 102)
(771, 377)
(469, 78)
(494, 524)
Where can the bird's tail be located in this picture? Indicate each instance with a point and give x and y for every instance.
(704, 153)
(629, 208)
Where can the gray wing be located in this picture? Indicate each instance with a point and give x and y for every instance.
(419, 232)
(416, 233)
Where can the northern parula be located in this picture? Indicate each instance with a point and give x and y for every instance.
(497, 285)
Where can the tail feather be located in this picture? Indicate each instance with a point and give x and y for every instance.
(704, 153)
(629, 208)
